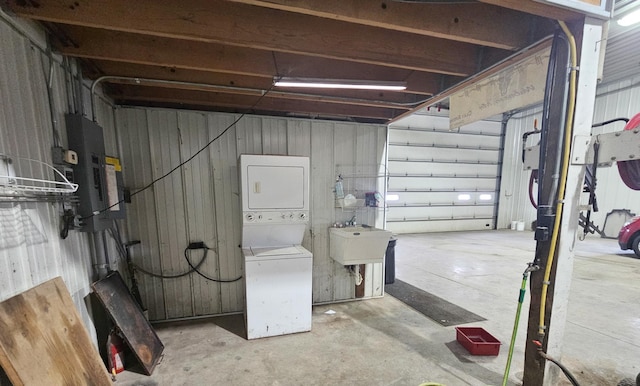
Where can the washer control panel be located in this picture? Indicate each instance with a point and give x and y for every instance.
(284, 217)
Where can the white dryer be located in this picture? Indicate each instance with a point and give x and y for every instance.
(278, 270)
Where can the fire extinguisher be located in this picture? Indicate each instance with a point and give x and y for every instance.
(115, 350)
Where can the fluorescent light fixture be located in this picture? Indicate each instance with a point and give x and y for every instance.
(630, 18)
(393, 197)
(485, 197)
(464, 197)
(339, 84)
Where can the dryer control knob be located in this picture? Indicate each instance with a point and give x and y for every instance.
(303, 216)
(250, 217)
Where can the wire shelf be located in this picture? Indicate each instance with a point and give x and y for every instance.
(11, 183)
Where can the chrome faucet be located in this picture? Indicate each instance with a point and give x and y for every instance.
(353, 221)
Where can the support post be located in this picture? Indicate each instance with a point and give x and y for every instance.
(536, 372)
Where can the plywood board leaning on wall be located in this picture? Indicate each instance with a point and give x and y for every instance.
(43, 340)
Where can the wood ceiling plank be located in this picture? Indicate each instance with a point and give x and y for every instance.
(242, 81)
(181, 98)
(314, 67)
(364, 98)
(134, 49)
(93, 43)
(536, 8)
(276, 93)
(216, 21)
(108, 67)
(471, 23)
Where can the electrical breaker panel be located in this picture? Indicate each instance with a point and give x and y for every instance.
(99, 177)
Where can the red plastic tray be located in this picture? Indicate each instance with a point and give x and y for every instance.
(477, 341)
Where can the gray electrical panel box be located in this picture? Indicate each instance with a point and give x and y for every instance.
(99, 178)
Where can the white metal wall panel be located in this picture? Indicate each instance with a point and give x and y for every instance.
(514, 193)
(225, 154)
(619, 99)
(370, 144)
(344, 154)
(141, 215)
(274, 137)
(322, 211)
(31, 250)
(622, 55)
(432, 169)
(299, 143)
(201, 201)
(166, 137)
(200, 211)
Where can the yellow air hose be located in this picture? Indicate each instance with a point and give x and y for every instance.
(563, 177)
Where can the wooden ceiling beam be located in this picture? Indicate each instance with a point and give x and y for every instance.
(272, 93)
(470, 22)
(536, 8)
(181, 98)
(182, 57)
(243, 82)
(93, 43)
(133, 70)
(216, 21)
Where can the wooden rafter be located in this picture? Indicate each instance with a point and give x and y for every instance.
(240, 102)
(260, 28)
(537, 8)
(419, 85)
(470, 23)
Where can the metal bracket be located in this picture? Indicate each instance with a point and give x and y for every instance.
(618, 146)
(580, 147)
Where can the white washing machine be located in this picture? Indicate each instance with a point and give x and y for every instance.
(278, 290)
(278, 270)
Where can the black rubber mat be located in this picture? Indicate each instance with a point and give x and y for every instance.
(431, 306)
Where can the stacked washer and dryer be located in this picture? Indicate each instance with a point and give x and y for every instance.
(278, 270)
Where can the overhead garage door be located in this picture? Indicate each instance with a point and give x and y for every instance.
(441, 179)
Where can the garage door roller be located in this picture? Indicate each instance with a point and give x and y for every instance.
(630, 170)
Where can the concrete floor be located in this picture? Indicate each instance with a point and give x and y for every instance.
(384, 342)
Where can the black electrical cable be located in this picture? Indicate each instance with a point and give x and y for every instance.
(610, 121)
(533, 178)
(186, 256)
(524, 140)
(186, 161)
(118, 241)
(551, 136)
(67, 222)
(565, 370)
(123, 252)
(183, 274)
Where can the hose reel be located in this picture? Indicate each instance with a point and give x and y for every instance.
(630, 170)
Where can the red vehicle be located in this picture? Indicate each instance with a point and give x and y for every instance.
(629, 236)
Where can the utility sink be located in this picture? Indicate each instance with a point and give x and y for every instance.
(358, 245)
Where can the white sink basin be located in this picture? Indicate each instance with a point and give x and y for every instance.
(358, 245)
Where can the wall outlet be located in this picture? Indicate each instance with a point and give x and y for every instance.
(71, 157)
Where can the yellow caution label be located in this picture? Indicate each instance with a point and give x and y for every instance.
(115, 162)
